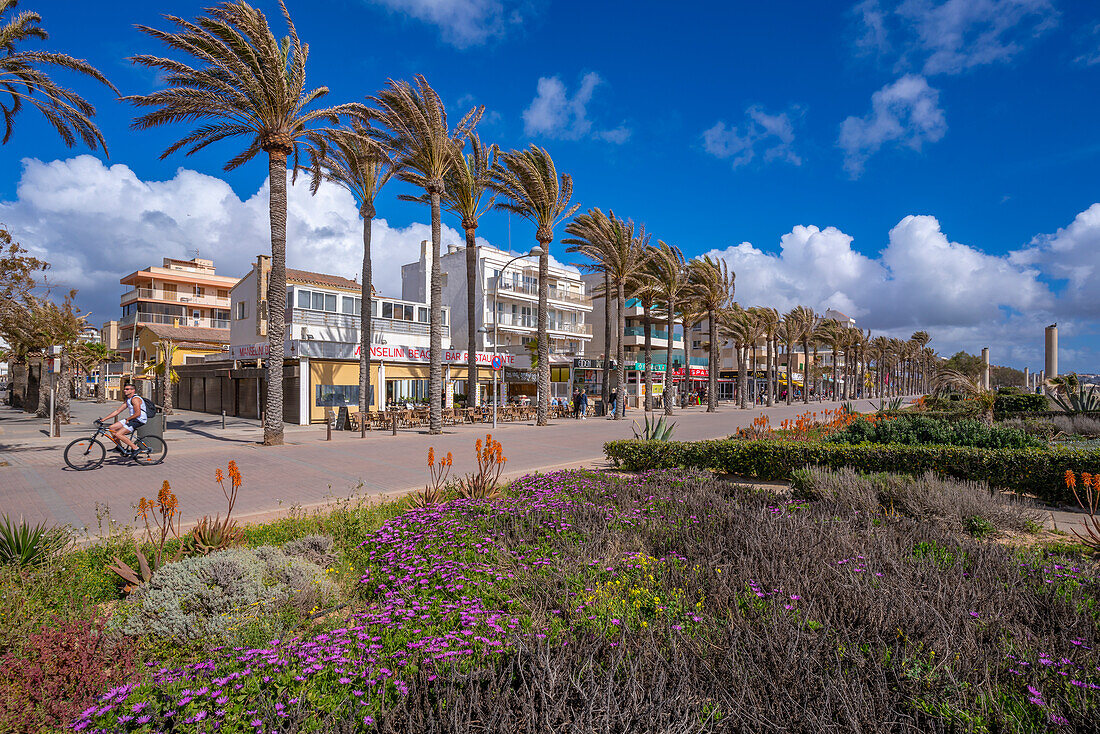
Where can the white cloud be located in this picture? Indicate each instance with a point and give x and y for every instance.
(1071, 256)
(952, 36)
(555, 114)
(462, 23)
(96, 224)
(1091, 40)
(906, 112)
(772, 134)
(963, 296)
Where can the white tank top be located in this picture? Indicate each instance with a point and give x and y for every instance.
(141, 416)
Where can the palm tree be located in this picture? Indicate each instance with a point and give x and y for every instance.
(424, 150)
(643, 287)
(670, 283)
(350, 158)
(769, 320)
(589, 232)
(531, 188)
(466, 187)
(947, 380)
(691, 313)
(921, 339)
(99, 354)
(246, 83)
(735, 323)
(24, 81)
(162, 370)
(789, 330)
(802, 322)
(830, 332)
(715, 285)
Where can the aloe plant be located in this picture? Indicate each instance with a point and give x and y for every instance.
(658, 430)
(25, 545)
(1078, 399)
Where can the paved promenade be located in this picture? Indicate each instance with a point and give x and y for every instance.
(35, 483)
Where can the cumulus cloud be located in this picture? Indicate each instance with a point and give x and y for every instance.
(906, 112)
(920, 279)
(462, 23)
(773, 135)
(951, 36)
(1071, 256)
(554, 114)
(96, 224)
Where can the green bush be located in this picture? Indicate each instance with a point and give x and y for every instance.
(219, 595)
(920, 429)
(1037, 471)
(1023, 403)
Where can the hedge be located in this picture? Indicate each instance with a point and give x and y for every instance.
(1024, 403)
(1035, 471)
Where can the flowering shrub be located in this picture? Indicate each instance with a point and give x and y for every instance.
(1089, 501)
(163, 514)
(436, 489)
(919, 429)
(490, 464)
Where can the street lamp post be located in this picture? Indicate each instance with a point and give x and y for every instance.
(472, 379)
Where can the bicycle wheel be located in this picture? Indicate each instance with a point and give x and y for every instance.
(84, 453)
(151, 450)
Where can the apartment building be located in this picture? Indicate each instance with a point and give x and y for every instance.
(178, 293)
(515, 293)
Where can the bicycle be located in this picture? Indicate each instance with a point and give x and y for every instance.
(89, 453)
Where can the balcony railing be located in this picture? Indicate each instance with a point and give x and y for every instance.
(156, 318)
(175, 297)
(531, 322)
(302, 317)
(654, 333)
(554, 294)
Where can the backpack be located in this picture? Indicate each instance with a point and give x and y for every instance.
(150, 408)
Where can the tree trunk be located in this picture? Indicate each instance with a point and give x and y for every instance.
(365, 316)
(685, 380)
(666, 397)
(742, 351)
(836, 368)
(806, 369)
(435, 348)
(790, 371)
(817, 391)
(620, 352)
(712, 362)
(276, 299)
(64, 387)
(605, 389)
(543, 412)
(471, 318)
(45, 382)
(769, 359)
(646, 305)
(101, 384)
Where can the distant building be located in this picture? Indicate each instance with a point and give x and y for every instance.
(108, 334)
(181, 293)
(89, 335)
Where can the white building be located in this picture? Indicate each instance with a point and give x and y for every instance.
(517, 300)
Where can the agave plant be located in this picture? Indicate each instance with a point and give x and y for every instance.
(25, 545)
(1075, 397)
(658, 430)
(884, 405)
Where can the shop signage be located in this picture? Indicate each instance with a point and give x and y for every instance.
(396, 353)
(588, 364)
(695, 372)
(640, 367)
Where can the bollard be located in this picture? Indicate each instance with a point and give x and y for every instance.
(395, 424)
(328, 426)
(362, 424)
(223, 420)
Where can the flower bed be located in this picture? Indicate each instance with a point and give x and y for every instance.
(656, 602)
(1037, 471)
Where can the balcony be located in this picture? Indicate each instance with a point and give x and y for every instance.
(553, 294)
(156, 318)
(661, 334)
(303, 317)
(531, 323)
(151, 294)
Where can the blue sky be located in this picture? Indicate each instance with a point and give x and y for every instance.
(918, 163)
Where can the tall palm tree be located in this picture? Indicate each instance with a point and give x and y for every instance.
(530, 186)
(588, 234)
(468, 185)
(830, 332)
(424, 149)
(736, 324)
(245, 83)
(643, 287)
(160, 366)
(691, 313)
(715, 285)
(802, 322)
(921, 339)
(23, 80)
(670, 283)
(350, 158)
(769, 320)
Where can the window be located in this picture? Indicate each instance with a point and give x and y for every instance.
(331, 396)
(318, 301)
(242, 310)
(303, 299)
(409, 313)
(198, 290)
(374, 308)
(347, 305)
(423, 315)
(387, 310)
(330, 302)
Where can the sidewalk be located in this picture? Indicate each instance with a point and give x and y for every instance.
(36, 484)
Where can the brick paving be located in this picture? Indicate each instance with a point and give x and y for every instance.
(36, 484)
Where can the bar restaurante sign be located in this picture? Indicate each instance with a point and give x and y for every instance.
(295, 348)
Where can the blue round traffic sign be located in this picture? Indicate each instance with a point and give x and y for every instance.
(498, 362)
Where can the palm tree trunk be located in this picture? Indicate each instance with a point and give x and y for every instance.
(276, 298)
(836, 367)
(620, 352)
(45, 382)
(806, 368)
(752, 374)
(101, 384)
(790, 371)
(471, 318)
(543, 412)
(646, 305)
(605, 389)
(712, 362)
(666, 396)
(818, 376)
(365, 316)
(435, 347)
(64, 387)
(742, 374)
(769, 359)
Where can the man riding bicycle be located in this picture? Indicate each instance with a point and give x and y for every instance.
(120, 430)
